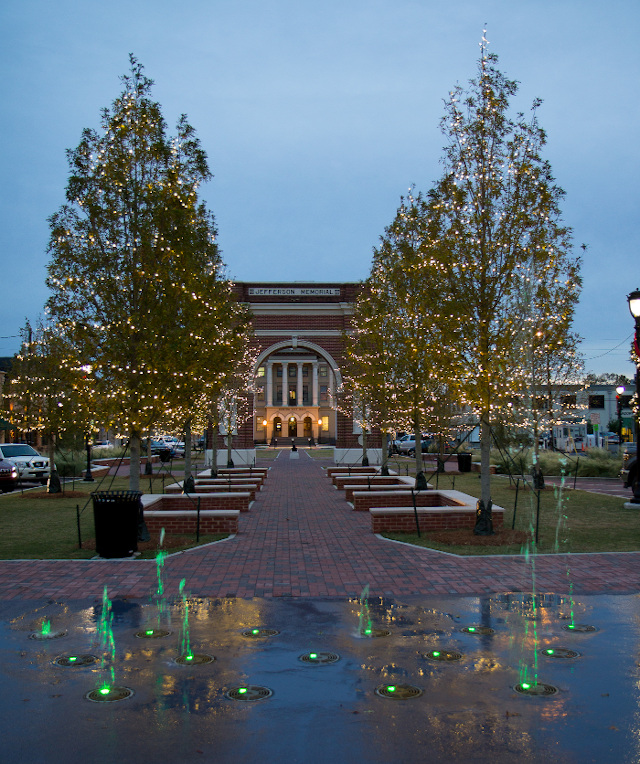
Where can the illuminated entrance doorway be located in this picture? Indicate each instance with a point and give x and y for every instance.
(293, 427)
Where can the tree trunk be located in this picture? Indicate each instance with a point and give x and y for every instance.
(485, 458)
(214, 451)
(53, 484)
(384, 469)
(229, 448)
(134, 460)
(187, 449)
(418, 453)
(365, 458)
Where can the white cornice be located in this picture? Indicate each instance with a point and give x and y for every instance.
(298, 333)
(292, 309)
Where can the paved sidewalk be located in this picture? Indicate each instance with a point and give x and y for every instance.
(301, 539)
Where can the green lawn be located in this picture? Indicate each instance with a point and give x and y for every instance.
(34, 526)
(570, 521)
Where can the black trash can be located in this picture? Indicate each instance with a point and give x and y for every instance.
(464, 462)
(165, 455)
(116, 515)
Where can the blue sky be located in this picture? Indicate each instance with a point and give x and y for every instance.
(317, 117)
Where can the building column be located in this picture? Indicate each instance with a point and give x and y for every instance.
(269, 391)
(314, 398)
(299, 386)
(285, 384)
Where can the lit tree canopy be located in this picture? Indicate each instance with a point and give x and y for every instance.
(503, 244)
(135, 273)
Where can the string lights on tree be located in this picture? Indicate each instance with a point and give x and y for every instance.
(136, 278)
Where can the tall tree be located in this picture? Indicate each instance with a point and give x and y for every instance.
(135, 271)
(501, 227)
(47, 389)
(368, 393)
(407, 272)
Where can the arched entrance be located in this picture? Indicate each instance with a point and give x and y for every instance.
(293, 427)
(277, 427)
(308, 424)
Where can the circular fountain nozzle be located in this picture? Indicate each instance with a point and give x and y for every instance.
(109, 694)
(482, 630)
(75, 660)
(152, 634)
(194, 659)
(398, 691)
(249, 692)
(581, 627)
(371, 632)
(559, 652)
(443, 655)
(47, 634)
(535, 689)
(260, 633)
(319, 658)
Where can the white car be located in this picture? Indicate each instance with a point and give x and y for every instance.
(102, 445)
(30, 464)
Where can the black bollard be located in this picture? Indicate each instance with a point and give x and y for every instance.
(189, 485)
(484, 522)
(421, 482)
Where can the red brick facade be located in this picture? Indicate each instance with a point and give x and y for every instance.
(299, 338)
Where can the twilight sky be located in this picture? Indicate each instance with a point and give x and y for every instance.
(317, 117)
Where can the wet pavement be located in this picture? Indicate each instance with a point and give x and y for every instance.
(465, 709)
(298, 566)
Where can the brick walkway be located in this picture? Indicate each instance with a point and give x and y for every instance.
(301, 538)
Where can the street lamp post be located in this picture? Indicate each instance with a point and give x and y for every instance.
(619, 392)
(634, 307)
(88, 477)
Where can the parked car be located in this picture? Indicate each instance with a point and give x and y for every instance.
(408, 445)
(160, 446)
(629, 463)
(395, 445)
(29, 463)
(102, 445)
(8, 476)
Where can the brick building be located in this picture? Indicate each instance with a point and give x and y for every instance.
(299, 333)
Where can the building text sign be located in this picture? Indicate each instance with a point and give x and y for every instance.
(294, 292)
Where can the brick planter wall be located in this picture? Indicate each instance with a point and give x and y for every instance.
(402, 519)
(215, 489)
(351, 490)
(331, 471)
(211, 521)
(366, 480)
(363, 501)
(179, 503)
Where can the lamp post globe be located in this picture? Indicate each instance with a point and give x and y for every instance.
(619, 391)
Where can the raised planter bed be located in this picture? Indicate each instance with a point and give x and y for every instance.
(363, 501)
(331, 471)
(404, 485)
(257, 480)
(178, 514)
(455, 510)
(475, 467)
(366, 480)
(177, 488)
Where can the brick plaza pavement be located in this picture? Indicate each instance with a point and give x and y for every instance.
(301, 539)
